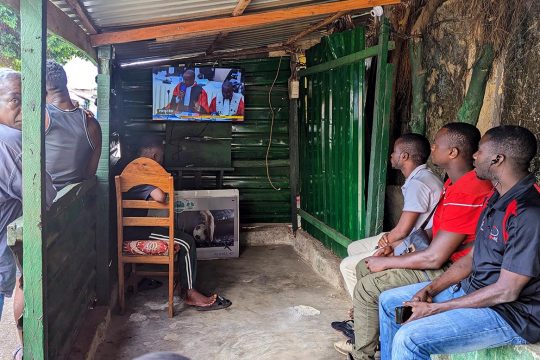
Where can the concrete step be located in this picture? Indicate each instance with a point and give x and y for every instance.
(522, 352)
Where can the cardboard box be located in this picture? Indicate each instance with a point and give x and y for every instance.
(211, 217)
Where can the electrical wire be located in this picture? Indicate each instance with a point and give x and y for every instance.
(271, 126)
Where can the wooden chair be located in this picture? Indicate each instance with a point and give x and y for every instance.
(145, 171)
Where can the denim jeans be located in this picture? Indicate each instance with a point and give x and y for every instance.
(1, 305)
(454, 331)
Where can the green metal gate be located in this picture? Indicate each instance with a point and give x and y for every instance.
(335, 206)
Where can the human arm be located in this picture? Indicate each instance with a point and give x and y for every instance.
(94, 134)
(158, 195)
(401, 230)
(434, 257)
(505, 290)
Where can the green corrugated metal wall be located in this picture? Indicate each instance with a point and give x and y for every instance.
(258, 201)
(332, 140)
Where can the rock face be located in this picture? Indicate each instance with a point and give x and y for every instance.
(513, 89)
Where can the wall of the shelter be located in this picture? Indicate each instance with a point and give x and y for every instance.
(259, 202)
(513, 89)
(71, 265)
(332, 138)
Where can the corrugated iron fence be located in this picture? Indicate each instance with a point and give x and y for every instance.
(331, 140)
(258, 201)
(339, 202)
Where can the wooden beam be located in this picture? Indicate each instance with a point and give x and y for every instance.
(82, 15)
(61, 24)
(240, 7)
(217, 40)
(33, 50)
(314, 28)
(199, 28)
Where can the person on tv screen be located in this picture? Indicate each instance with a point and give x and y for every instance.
(227, 102)
(188, 96)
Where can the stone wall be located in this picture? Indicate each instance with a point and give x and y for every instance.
(513, 90)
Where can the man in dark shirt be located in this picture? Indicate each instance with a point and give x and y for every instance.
(491, 296)
(152, 148)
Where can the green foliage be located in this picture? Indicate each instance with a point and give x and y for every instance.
(10, 43)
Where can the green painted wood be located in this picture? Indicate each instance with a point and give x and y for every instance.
(332, 140)
(134, 99)
(474, 99)
(33, 48)
(514, 352)
(418, 79)
(345, 60)
(327, 230)
(103, 208)
(379, 139)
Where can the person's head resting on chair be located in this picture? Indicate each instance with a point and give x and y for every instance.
(152, 147)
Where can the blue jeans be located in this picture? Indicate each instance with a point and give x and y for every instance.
(454, 331)
(1, 305)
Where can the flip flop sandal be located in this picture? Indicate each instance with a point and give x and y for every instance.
(218, 304)
(18, 350)
(345, 327)
(148, 284)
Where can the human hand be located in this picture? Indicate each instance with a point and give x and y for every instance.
(423, 296)
(383, 241)
(421, 309)
(385, 251)
(375, 263)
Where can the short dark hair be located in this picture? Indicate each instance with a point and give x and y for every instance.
(56, 76)
(417, 146)
(149, 142)
(516, 143)
(465, 137)
(162, 356)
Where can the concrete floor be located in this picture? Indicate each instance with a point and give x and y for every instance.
(281, 310)
(8, 332)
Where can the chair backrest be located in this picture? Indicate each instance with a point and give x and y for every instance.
(144, 171)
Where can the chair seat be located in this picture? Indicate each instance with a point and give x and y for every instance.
(148, 247)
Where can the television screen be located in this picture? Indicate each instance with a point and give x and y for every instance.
(197, 94)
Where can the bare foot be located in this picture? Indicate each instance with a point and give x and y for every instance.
(193, 297)
(351, 313)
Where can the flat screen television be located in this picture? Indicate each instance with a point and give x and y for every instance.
(197, 94)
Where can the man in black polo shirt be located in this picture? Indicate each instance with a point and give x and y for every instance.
(490, 297)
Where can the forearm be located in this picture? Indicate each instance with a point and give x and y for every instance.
(419, 260)
(485, 297)
(457, 272)
(396, 235)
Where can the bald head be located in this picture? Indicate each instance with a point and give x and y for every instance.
(227, 90)
(189, 77)
(10, 98)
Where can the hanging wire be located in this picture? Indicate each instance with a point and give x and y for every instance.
(271, 126)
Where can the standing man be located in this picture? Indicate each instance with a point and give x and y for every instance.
(454, 223)
(227, 102)
(11, 186)
(188, 96)
(490, 297)
(72, 136)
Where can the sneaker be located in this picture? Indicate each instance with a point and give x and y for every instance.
(344, 347)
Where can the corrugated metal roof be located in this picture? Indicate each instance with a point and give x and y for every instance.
(109, 15)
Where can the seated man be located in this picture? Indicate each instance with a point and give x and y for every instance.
(489, 297)
(452, 234)
(227, 102)
(152, 148)
(72, 136)
(188, 96)
(421, 192)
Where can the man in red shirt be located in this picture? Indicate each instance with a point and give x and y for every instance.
(188, 96)
(454, 225)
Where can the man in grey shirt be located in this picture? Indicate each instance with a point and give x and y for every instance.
(11, 174)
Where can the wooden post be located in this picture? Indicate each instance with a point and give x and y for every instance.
(103, 224)
(379, 138)
(293, 149)
(418, 79)
(33, 48)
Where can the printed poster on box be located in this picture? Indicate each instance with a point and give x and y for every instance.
(211, 217)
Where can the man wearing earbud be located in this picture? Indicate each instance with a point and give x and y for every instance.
(489, 297)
